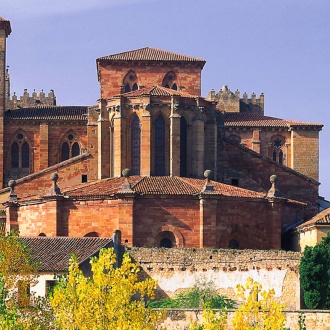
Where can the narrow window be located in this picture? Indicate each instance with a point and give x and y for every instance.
(14, 155)
(127, 88)
(280, 157)
(75, 149)
(25, 155)
(135, 87)
(183, 146)
(274, 156)
(135, 146)
(160, 146)
(65, 151)
(84, 178)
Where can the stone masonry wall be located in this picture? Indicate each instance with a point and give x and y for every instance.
(177, 270)
(180, 319)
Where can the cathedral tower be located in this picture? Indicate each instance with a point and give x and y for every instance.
(5, 30)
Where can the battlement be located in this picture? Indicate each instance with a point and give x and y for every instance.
(27, 101)
(228, 101)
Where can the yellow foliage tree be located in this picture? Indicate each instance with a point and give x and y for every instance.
(259, 311)
(112, 299)
(256, 313)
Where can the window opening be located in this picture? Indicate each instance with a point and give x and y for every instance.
(169, 81)
(135, 146)
(130, 82)
(183, 146)
(70, 147)
(160, 146)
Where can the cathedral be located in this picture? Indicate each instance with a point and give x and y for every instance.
(155, 160)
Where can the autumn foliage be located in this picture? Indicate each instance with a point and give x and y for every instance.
(112, 299)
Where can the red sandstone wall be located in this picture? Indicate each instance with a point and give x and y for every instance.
(291, 184)
(111, 77)
(152, 216)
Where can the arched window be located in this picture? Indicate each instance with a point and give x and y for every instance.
(15, 155)
(65, 151)
(277, 152)
(135, 146)
(130, 82)
(25, 155)
(233, 244)
(183, 146)
(70, 147)
(75, 149)
(166, 239)
(170, 81)
(20, 153)
(160, 146)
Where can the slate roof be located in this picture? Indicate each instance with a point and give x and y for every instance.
(322, 218)
(238, 119)
(156, 185)
(54, 253)
(151, 54)
(156, 91)
(48, 113)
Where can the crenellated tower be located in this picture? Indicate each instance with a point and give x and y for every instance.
(5, 30)
(228, 101)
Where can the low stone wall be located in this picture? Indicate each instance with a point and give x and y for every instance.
(315, 320)
(179, 269)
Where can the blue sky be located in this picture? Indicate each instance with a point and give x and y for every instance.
(279, 48)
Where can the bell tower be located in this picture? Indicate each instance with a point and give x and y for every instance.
(5, 30)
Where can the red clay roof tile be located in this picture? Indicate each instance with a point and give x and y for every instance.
(156, 91)
(151, 54)
(54, 253)
(157, 186)
(238, 119)
(49, 113)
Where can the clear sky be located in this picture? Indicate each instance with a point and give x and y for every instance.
(279, 48)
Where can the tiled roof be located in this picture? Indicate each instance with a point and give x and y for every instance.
(322, 218)
(151, 54)
(54, 253)
(238, 119)
(157, 186)
(157, 91)
(49, 113)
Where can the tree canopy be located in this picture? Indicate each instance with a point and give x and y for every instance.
(315, 274)
(113, 298)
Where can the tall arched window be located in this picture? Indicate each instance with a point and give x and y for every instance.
(277, 145)
(65, 151)
(160, 146)
(170, 81)
(135, 146)
(14, 155)
(130, 82)
(20, 153)
(25, 155)
(70, 147)
(183, 146)
(75, 149)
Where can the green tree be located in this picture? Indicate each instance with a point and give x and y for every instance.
(314, 271)
(113, 298)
